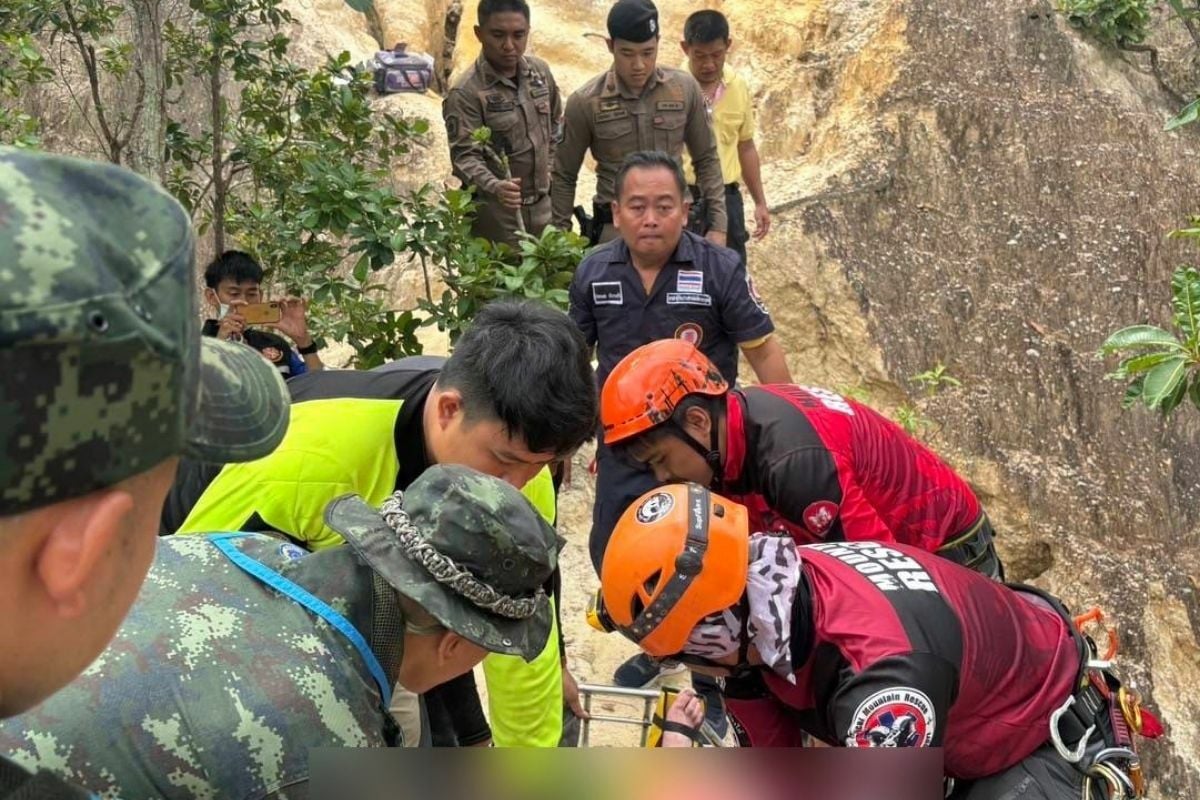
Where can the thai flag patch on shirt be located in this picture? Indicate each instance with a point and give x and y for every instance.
(690, 281)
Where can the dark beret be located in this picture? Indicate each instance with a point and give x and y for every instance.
(633, 21)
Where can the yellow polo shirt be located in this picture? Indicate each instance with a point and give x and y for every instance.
(733, 122)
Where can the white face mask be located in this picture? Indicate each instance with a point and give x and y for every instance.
(222, 310)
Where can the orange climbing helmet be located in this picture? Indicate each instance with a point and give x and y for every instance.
(647, 385)
(677, 555)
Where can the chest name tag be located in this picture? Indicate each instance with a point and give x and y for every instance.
(685, 299)
(607, 293)
(607, 116)
(669, 105)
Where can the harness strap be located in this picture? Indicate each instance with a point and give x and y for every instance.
(314, 604)
(670, 726)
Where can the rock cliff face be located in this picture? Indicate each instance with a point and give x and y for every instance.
(965, 181)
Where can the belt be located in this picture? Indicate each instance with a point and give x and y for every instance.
(970, 546)
(729, 187)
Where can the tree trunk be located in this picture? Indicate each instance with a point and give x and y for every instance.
(148, 141)
(445, 62)
(219, 188)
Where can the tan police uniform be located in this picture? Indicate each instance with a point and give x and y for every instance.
(523, 114)
(613, 122)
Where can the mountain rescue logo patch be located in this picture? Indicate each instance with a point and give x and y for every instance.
(819, 517)
(691, 333)
(655, 507)
(896, 717)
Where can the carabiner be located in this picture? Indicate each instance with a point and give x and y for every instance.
(1071, 756)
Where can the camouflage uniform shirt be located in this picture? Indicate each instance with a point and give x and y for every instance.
(216, 685)
(612, 121)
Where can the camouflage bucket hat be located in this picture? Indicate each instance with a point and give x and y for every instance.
(104, 372)
(466, 547)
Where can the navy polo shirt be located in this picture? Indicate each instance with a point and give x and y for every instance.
(702, 294)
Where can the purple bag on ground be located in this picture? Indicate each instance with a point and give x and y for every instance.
(400, 71)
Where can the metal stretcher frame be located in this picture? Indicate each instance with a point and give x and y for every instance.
(649, 698)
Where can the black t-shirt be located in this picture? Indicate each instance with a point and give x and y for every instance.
(408, 379)
(274, 348)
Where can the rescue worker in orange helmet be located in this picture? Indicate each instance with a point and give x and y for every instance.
(807, 461)
(866, 644)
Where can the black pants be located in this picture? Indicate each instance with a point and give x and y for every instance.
(455, 714)
(735, 211)
(618, 484)
(1042, 775)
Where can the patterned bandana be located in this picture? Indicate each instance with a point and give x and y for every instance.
(770, 591)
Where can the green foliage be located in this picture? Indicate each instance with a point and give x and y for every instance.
(21, 67)
(911, 420)
(476, 271)
(1115, 22)
(291, 165)
(856, 392)
(1161, 366)
(935, 379)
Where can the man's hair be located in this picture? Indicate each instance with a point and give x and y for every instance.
(649, 159)
(489, 7)
(705, 27)
(526, 365)
(235, 265)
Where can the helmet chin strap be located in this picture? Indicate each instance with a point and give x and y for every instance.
(743, 668)
(710, 454)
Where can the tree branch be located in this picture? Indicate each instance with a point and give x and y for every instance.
(1154, 67)
(88, 54)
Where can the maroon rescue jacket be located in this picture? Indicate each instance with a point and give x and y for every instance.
(826, 468)
(897, 647)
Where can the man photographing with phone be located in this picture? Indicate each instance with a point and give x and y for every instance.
(234, 282)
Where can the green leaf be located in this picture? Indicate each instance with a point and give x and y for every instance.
(362, 267)
(1133, 392)
(1163, 381)
(1195, 391)
(1185, 300)
(1172, 401)
(1134, 364)
(1139, 336)
(1187, 115)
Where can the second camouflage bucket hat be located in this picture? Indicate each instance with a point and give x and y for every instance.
(466, 547)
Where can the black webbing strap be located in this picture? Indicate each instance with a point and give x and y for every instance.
(687, 566)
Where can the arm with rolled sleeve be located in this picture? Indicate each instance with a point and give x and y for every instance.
(702, 147)
(568, 158)
(463, 115)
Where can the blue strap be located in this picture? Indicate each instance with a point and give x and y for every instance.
(307, 599)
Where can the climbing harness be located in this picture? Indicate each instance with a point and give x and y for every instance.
(1101, 708)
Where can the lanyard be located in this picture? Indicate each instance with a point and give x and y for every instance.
(307, 599)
